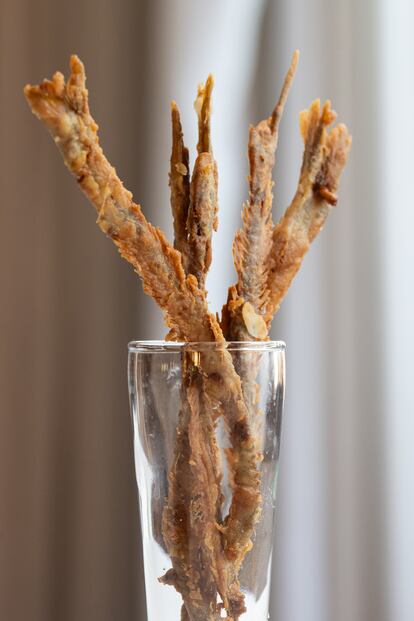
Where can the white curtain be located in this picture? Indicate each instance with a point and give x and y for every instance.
(344, 543)
(397, 102)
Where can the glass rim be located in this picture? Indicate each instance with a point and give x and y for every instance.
(153, 346)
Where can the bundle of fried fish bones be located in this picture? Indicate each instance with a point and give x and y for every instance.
(206, 548)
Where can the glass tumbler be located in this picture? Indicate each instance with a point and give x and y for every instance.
(206, 423)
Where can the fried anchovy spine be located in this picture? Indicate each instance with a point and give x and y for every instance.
(202, 217)
(208, 564)
(179, 181)
(247, 299)
(197, 576)
(63, 108)
(202, 213)
(184, 530)
(324, 159)
(202, 106)
(206, 551)
(267, 257)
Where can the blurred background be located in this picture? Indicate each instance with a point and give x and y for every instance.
(69, 524)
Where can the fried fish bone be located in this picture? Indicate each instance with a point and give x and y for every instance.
(267, 257)
(207, 551)
(63, 108)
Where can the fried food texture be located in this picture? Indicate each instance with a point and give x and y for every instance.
(207, 549)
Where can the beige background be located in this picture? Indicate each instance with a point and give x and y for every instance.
(69, 538)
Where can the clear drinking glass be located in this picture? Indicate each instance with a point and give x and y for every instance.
(207, 420)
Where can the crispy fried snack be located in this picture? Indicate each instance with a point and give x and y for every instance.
(203, 108)
(63, 108)
(202, 211)
(267, 257)
(206, 549)
(202, 217)
(191, 513)
(324, 159)
(241, 317)
(179, 181)
(194, 206)
(182, 531)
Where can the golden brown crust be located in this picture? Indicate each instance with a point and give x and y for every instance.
(257, 270)
(201, 577)
(203, 206)
(184, 535)
(179, 181)
(335, 157)
(239, 320)
(192, 509)
(324, 159)
(243, 459)
(202, 106)
(64, 110)
(175, 519)
(253, 241)
(206, 552)
(205, 546)
(202, 217)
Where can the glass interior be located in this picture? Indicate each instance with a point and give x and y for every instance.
(159, 375)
